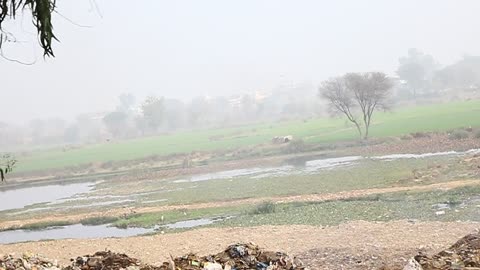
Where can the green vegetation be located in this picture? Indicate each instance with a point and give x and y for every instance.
(41, 14)
(440, 117)
(460, 204)
(98, 220)
(265, 208)
(367, 174)
(456, 204)
(162, 218)
(44, 225)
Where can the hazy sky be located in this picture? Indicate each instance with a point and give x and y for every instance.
(186, 48)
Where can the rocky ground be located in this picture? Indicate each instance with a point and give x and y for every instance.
(353, 245)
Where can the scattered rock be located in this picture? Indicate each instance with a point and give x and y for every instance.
(412, 264)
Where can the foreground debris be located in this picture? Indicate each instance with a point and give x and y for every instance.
(235, 257)
(105, 260)
(240, 257)
(464, 254)
(28, 262)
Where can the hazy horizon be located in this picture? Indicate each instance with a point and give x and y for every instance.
(182, 49)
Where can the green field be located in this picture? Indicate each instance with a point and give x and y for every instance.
(401, 121)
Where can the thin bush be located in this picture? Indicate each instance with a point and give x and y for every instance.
(265, 208)
(458, 135)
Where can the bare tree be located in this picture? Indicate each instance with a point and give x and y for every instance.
(341, 100)
(357, 96)
(7, 163)
(370, 92)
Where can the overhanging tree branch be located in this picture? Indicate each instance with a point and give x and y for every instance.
(41, 11)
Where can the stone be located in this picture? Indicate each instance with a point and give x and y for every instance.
(412, 264)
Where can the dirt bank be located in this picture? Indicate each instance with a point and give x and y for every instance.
(353, 245)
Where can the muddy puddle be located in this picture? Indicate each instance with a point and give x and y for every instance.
(76, 231)
(22, 197)
(194, 223)
(79, 231)
(303, 165)
(311, 166)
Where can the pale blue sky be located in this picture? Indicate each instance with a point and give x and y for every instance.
(185, 48)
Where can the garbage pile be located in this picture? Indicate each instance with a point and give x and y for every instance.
(238, 257)
(104, 260)
(464, 254)
(28, 262)
(235, 257)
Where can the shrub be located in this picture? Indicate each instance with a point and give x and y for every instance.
(296, 146)
(98, 220)
(477, 134)
(458, 135)
(45, 225)
(417, 135)
(265, 208)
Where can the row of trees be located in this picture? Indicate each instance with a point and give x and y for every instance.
(158, 114)
(423, 75)
(354, 95)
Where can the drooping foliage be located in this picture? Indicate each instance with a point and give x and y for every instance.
(41, 13)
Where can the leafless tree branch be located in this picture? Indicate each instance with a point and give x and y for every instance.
(362, 92)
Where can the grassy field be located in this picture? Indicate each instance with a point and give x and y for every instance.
(401, 121)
